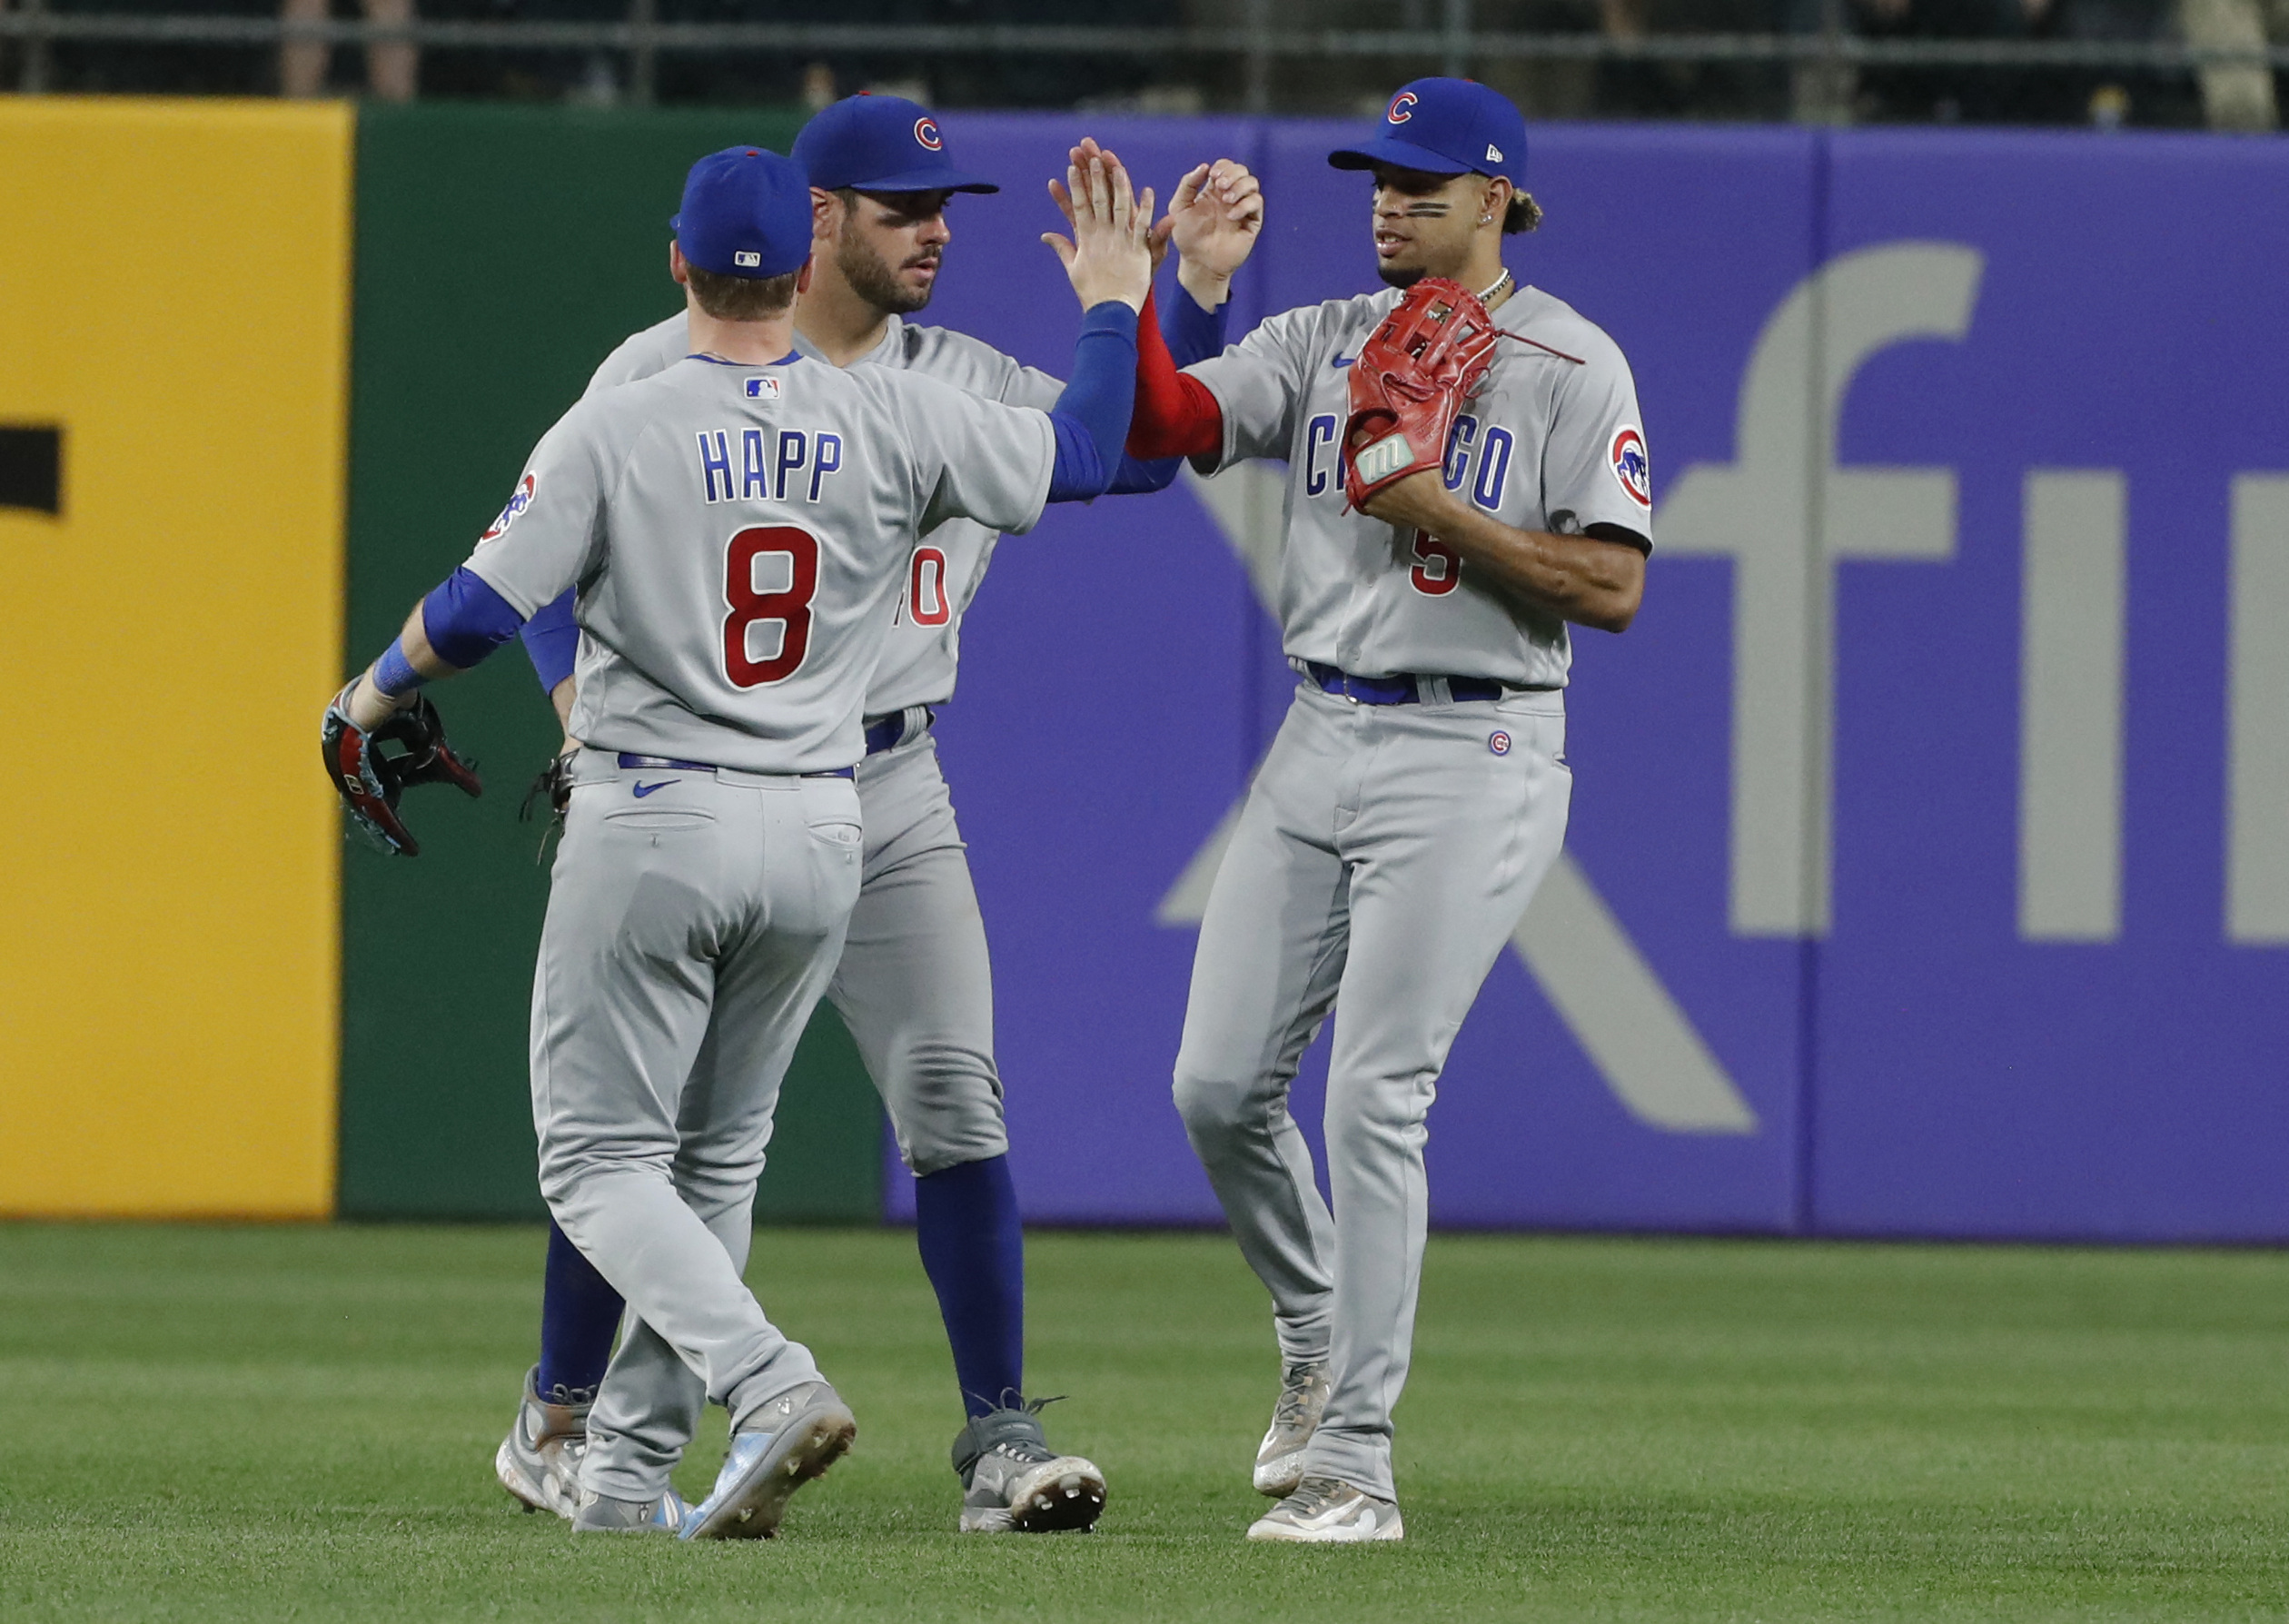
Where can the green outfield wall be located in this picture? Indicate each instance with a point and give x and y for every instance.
(500, 253)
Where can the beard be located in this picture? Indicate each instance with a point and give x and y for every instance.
(1395, 276)
(872, 280)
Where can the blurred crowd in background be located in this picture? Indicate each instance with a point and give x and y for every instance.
(2242, 95)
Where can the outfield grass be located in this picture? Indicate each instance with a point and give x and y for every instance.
(271, 1423)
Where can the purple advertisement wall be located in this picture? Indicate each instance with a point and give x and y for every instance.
(1929, 863)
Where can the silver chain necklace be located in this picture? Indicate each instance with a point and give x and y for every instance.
(1497, 285)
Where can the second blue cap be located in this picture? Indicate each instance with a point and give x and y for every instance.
(747, 212)
(880, 144)
(1445, 126)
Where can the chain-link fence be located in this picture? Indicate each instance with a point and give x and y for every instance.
(2106, 63)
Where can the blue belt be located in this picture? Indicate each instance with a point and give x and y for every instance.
(889, 732)
(1404, 690)
(669, 764)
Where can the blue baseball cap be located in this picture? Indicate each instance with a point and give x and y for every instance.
(747, 212)
(1445, 126)
(879, 144)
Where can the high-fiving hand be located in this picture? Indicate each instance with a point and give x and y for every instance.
(1109, 255)
(1215, 218)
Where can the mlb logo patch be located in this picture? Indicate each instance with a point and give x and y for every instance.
(763, 389)
(517, 503)
(747, 257)
(1631, 468)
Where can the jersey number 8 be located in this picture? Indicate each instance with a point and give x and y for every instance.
(789, 605)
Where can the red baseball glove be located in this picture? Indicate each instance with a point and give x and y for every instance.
(1430, 353)
(370, 780)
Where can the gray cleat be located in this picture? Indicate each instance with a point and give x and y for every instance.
(1278, 1462)
(539, 1460)
(782, 1446)
(601, 1514)
(1012, 1483)
(1329, 1511)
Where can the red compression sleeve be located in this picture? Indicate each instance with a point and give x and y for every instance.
(1176, 416)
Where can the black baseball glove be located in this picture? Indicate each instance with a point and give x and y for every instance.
(370, 778)
(553, 785)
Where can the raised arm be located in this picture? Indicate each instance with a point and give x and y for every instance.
(1108, 260)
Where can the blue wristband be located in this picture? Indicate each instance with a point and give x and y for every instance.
(393, 674)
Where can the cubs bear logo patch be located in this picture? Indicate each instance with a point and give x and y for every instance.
(517, 503)
(1631, 467)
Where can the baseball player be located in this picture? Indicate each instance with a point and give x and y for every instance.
(736, 529)
(1417, 790)
(914, 986)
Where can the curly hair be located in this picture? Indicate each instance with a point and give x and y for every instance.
(1523, 215)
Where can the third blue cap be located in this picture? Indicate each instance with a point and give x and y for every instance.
(880, 144)
(1445, 126)
(747, 212)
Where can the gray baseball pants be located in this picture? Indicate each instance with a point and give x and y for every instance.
(690, 932)
(915, 987)
(1384, 856)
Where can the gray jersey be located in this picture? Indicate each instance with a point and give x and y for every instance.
(925, 644)
(1552, 442)
(737, 535)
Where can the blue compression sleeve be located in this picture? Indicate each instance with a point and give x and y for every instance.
(466, 619)
(1092, 417)
(552, 642)
(1193, 333)
(972, 1247)
(579, 1313)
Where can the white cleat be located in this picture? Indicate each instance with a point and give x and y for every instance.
(779, 1448)
(1329, 1511)
(539, 1460)
(1278, 1462)
(601, 1514)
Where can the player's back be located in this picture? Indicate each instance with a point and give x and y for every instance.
(922, 653)
(737, 533)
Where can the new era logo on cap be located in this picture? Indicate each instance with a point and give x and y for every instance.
(1493, 153)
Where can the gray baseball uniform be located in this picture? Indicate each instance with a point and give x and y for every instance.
(915, 987)
(1386, 851)
(736, 535)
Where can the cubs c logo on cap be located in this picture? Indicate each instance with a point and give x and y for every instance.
(1402, 107)
(926, 134)
(1631, 470)
(517, 503)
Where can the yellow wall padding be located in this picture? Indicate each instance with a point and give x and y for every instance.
(175, 288)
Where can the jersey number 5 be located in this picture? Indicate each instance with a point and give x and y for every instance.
(1438, 567)
(789, 605)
